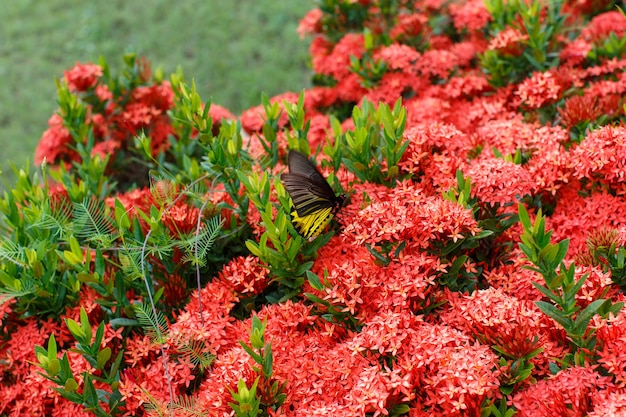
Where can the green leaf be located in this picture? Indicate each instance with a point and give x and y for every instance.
(399, 409)
(314, 281)
(116, 365)
(155, 326)
(304, 268)
(523, 216)
(546, 292)
(72, 259)
(90, 396)
(268, 362)
(87, 277)
(579, 284)
(103, 356)
(483, 234)
(563, 247)
(121, 215)
(52, 348)
(54, 366)
(555, 314)
(123, 322)
(253, 247)
(257, 358)
(85, 325)
(75, 329)
(71, 385)
(585, 316)
(91, 221)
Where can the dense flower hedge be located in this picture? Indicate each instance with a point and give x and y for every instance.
(477, 270)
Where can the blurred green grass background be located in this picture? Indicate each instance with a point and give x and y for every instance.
(234, 50)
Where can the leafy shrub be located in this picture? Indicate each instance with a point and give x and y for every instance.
(149, 264)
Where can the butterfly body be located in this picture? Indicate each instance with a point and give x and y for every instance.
(314, 200)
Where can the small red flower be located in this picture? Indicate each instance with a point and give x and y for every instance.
(602, 25)
(579, 109)
(83, 76)
(54, 143)
(509, 42)
(541, 89)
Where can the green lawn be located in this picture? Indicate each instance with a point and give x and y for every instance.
(235, 50)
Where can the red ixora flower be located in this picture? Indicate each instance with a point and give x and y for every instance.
(568, 393)
(181, 218)
(245, 274)
(540, 89)
(310, 23)
(83, 76)
(471, 15)
(579, 109)
(515, 326)
(603, 24)
(510, 41)
(497, 181)
(54, 144)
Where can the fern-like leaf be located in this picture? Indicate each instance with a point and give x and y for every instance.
(7, 294)
(130, 261)
(197, 354)
(56, 218)
(11, 252)
(92, 223)
(155, 326)
(11, 288)
(152, 405)
(162, 189)
(197, 246)
(187, 406)
(183, 406)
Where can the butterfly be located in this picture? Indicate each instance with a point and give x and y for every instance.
(314, 201)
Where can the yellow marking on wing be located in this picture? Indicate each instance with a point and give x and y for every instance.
(312, 225)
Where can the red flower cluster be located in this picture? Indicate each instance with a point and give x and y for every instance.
(115, 115)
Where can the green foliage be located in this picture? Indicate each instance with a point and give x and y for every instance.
(502, 409)
(605, 254)
(153, 323)
(374, 148)
(297, 136)
(60, 239)
(480, 249)
(280, 248)
(561, 286)
(35, 268)
(613, 46)
(196, 352)
(341, 17)
(333, 313)
(247, 403)
(369, 69)
(519, 369)
(538, 51)
(104, 401)
(222, 157)
(266, 392)
(285, 253)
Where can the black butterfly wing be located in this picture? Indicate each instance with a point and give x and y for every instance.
(301, 165)
(307, 197)
(308, 189)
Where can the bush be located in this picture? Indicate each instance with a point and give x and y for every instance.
(150, 266)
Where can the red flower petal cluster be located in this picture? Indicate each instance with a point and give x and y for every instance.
(568, 393)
